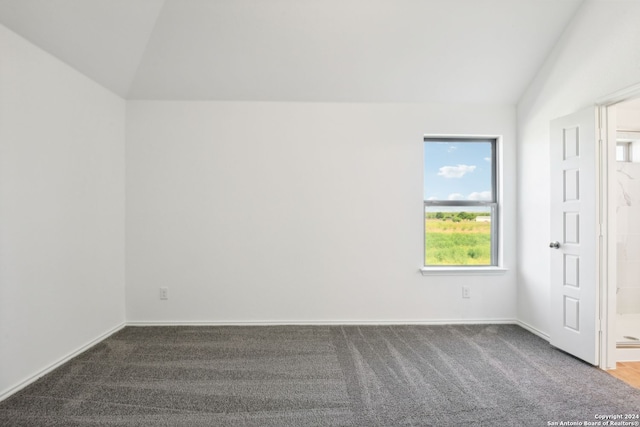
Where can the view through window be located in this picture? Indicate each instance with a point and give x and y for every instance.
(460, 202)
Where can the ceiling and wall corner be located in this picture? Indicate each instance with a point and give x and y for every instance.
(434, 51)
(103, 39)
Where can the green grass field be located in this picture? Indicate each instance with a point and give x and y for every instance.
(457, 243)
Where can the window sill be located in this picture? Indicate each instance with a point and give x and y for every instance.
(462, 271)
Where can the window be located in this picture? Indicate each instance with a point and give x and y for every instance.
(460, 202)
(628, 146)
(623, 151)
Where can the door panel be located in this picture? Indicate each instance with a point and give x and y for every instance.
(574, 234)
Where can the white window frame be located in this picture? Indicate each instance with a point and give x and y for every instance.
(494, 205)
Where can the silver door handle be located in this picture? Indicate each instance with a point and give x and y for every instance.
(554, 245)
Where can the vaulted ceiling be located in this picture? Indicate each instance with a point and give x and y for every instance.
(453, 51)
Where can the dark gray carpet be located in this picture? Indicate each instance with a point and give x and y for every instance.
(493, 375)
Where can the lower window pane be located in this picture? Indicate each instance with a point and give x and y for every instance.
(457, 235)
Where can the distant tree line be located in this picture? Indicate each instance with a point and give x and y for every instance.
(455, 216)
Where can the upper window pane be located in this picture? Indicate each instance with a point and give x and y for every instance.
(458, 170)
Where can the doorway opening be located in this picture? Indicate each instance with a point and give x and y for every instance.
(623, 130)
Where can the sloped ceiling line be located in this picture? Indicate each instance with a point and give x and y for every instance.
(437, 51)
(144, 49)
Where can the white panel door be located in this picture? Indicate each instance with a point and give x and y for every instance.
(574, 235)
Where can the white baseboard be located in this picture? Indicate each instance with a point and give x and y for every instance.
(532, 330)
(16, 388)
(321, 322)
(627, 354)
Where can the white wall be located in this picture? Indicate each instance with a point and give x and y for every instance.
(598, 54)
(628, 237)
(61, 211)
(628, 117)
(286, 212)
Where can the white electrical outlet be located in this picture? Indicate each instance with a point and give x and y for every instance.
(466, 292)
(164, 293)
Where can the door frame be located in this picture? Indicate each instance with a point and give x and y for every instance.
(608, 236)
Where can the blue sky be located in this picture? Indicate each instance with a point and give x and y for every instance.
(457, 170)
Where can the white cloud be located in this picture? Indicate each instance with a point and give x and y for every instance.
(432, 198)
(455, 196)
(482, 195)
(487, 159)
(452, 149)
(455, 171)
